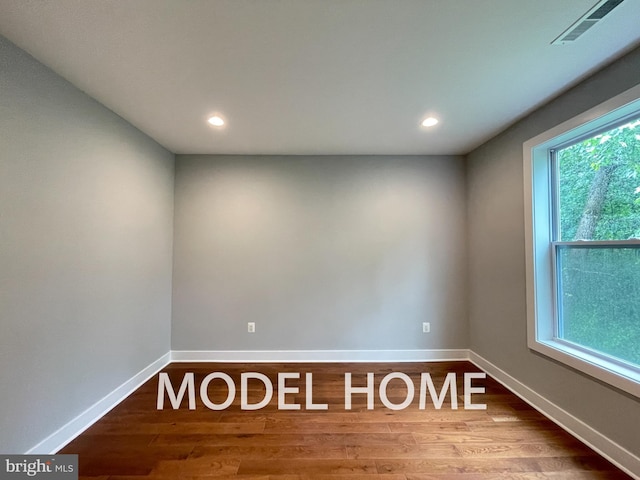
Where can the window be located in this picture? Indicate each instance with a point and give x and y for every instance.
(582, 198)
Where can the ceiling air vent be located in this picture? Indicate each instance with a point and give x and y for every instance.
(588, 20)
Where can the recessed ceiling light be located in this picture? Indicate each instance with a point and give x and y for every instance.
(216, 121)
(429, 122)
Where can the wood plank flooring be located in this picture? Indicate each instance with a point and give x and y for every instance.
(508, 440)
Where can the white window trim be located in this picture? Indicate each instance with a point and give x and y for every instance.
(538, 242)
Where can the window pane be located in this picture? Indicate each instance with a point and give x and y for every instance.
(599, 186)
(600, 299)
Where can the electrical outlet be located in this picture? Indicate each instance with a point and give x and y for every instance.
(251, 327)
(426, 327)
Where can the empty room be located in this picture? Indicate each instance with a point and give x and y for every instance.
(320, 239)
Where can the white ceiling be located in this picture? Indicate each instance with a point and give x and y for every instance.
(318, 76)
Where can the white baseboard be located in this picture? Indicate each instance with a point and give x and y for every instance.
(75, 427)
(606, 447)
(277, 356)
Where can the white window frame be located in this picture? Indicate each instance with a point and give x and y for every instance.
(540, 248)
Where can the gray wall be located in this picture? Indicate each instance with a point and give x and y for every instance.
(86, 208)
(324, 253)
(497, 263)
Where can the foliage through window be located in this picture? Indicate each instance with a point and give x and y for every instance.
(598, 200)
(600, 186)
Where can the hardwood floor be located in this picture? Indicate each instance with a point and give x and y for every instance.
(507, 440)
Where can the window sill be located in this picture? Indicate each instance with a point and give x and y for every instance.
(626, 378)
